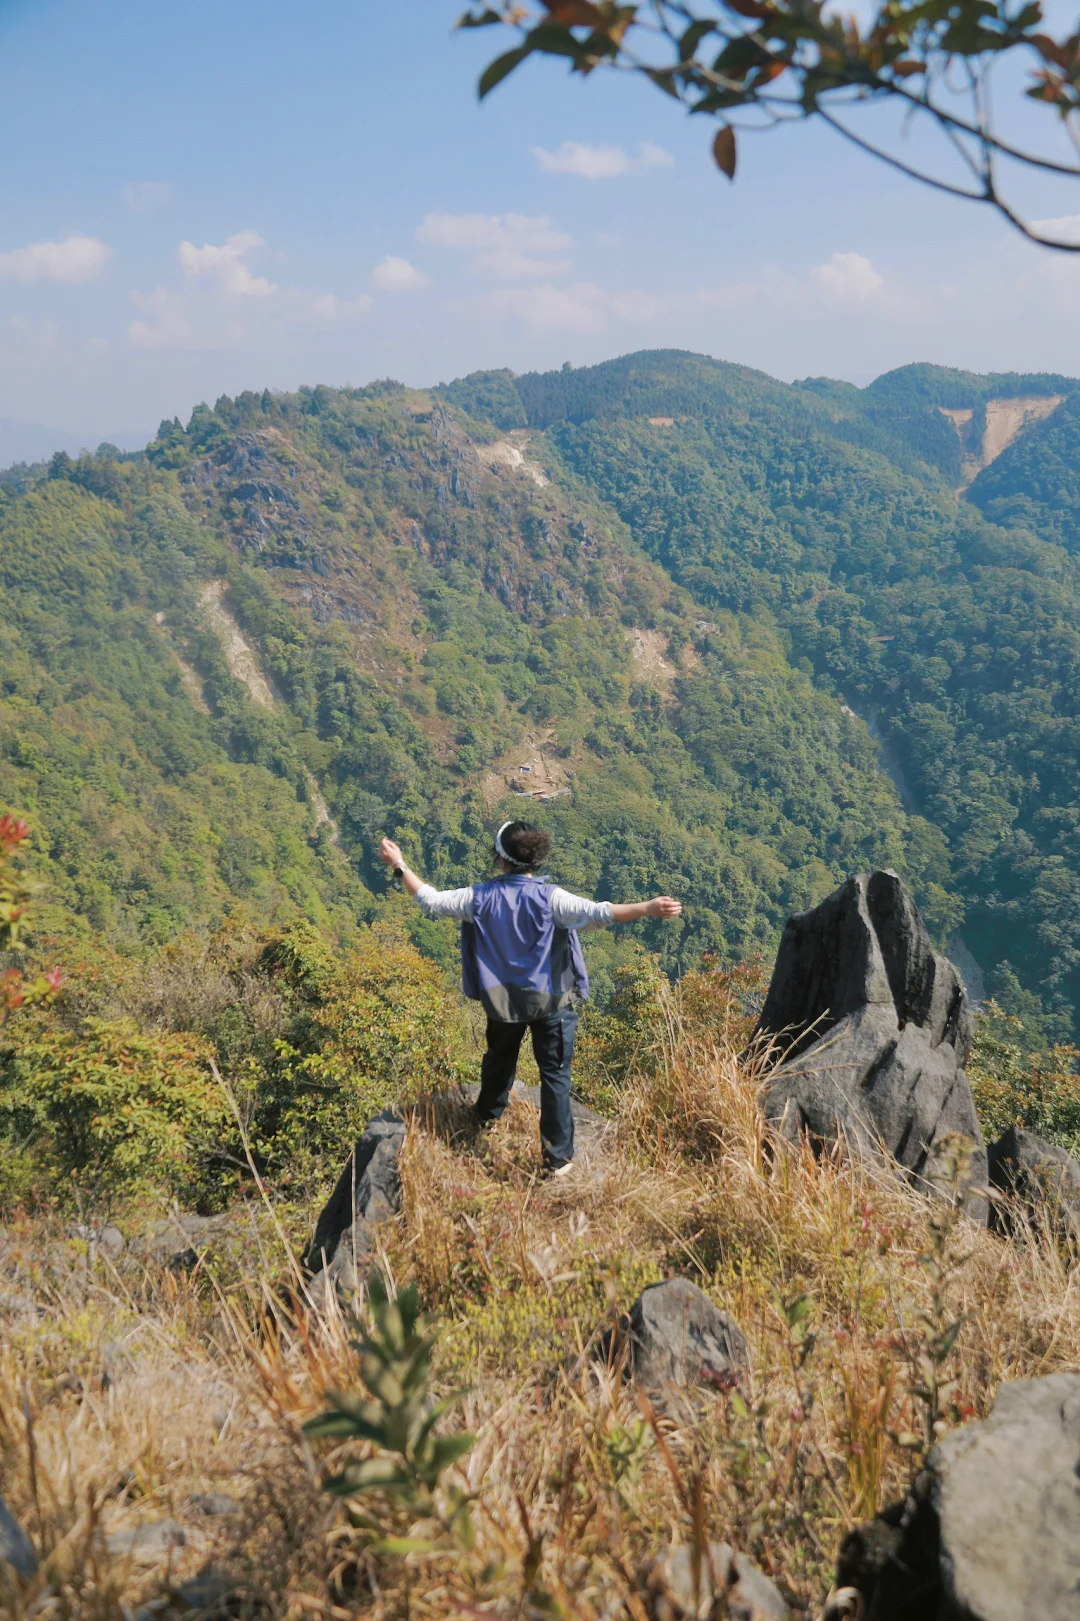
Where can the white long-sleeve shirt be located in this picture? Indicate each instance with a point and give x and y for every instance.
(568, 911)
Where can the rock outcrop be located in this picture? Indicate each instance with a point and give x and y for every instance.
(720, 1582)
(674, 1336)
(873, 1029)
(367, 1192)
(1039, 1176)
(991, 1530)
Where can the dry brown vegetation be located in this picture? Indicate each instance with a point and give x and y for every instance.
(127, 1391)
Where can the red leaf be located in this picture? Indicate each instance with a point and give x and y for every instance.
(723, 150)
(575, 13)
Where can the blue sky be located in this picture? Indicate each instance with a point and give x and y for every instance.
(212, 197)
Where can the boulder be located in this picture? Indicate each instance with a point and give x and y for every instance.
(991, 1529)
(872, 1029)
(1039, 1175)
(367, 1192)
(723, 1582)
(673, 1336)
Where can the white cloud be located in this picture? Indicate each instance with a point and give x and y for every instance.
(848, 275)
(329, 307)
(546, 309)
(528, 232)
(393, 275)
(651, 156)
(219, 303)
(505, 246)
(143, 194)
(582, 158)
(169, 326)
(1066, 228)
(601, 162)
(227, 264)
(76, 260)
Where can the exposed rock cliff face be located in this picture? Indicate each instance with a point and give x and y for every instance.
(873, 1029)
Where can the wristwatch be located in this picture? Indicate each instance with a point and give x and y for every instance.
(399, 872)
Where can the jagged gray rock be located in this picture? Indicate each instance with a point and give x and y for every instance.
(722, 1577)
(1038, 1174)
(367, 1192)
(146, 1544)
(674, 1336)
(873, 1029)
(16, 1549)
(180, 1241)
(991, 1530)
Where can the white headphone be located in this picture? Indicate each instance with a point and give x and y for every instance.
(499, 849)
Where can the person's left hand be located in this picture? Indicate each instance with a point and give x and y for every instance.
(391, 853)
(665, 906)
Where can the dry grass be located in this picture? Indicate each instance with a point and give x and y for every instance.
(125, 1391)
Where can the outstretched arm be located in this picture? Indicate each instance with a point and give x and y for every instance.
(659, 906)
(391, 854)
(434, 903)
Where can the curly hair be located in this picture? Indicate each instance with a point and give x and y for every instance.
(527, 847)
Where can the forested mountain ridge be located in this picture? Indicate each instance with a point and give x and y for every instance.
(673, 619)
(954, 635)
(425, 610)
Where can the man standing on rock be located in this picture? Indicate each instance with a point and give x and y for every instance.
(521, 958)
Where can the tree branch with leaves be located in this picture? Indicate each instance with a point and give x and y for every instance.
(754, 64)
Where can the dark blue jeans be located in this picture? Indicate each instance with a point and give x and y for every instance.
(553, 1045)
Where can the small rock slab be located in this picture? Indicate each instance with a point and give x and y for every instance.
(722, 1577)
(179, 1242)
(991, 1529)
(213, 1504)
(1040, 1175)
(675, 1337)
(146, 1544)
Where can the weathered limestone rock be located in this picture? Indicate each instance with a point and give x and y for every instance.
(873, 1029)
(367, 1192)
(722, 1578)
(991, 1530)
(1039, 1175)
(146, 1544)
(180, 1241)
(673, 1336)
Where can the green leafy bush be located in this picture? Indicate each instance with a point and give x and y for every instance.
(112, 1108)
(1014, 1086)
(383, 1028)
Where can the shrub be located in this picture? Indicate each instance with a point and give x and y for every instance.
(117, 1109)
(386, 1029)
(1039, 1091)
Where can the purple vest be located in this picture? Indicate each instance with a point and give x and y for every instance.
(514, 958)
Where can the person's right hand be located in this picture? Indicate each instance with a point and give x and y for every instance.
(665, 906)
(391, 853)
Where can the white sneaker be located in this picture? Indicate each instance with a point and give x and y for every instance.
(564, 1169)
